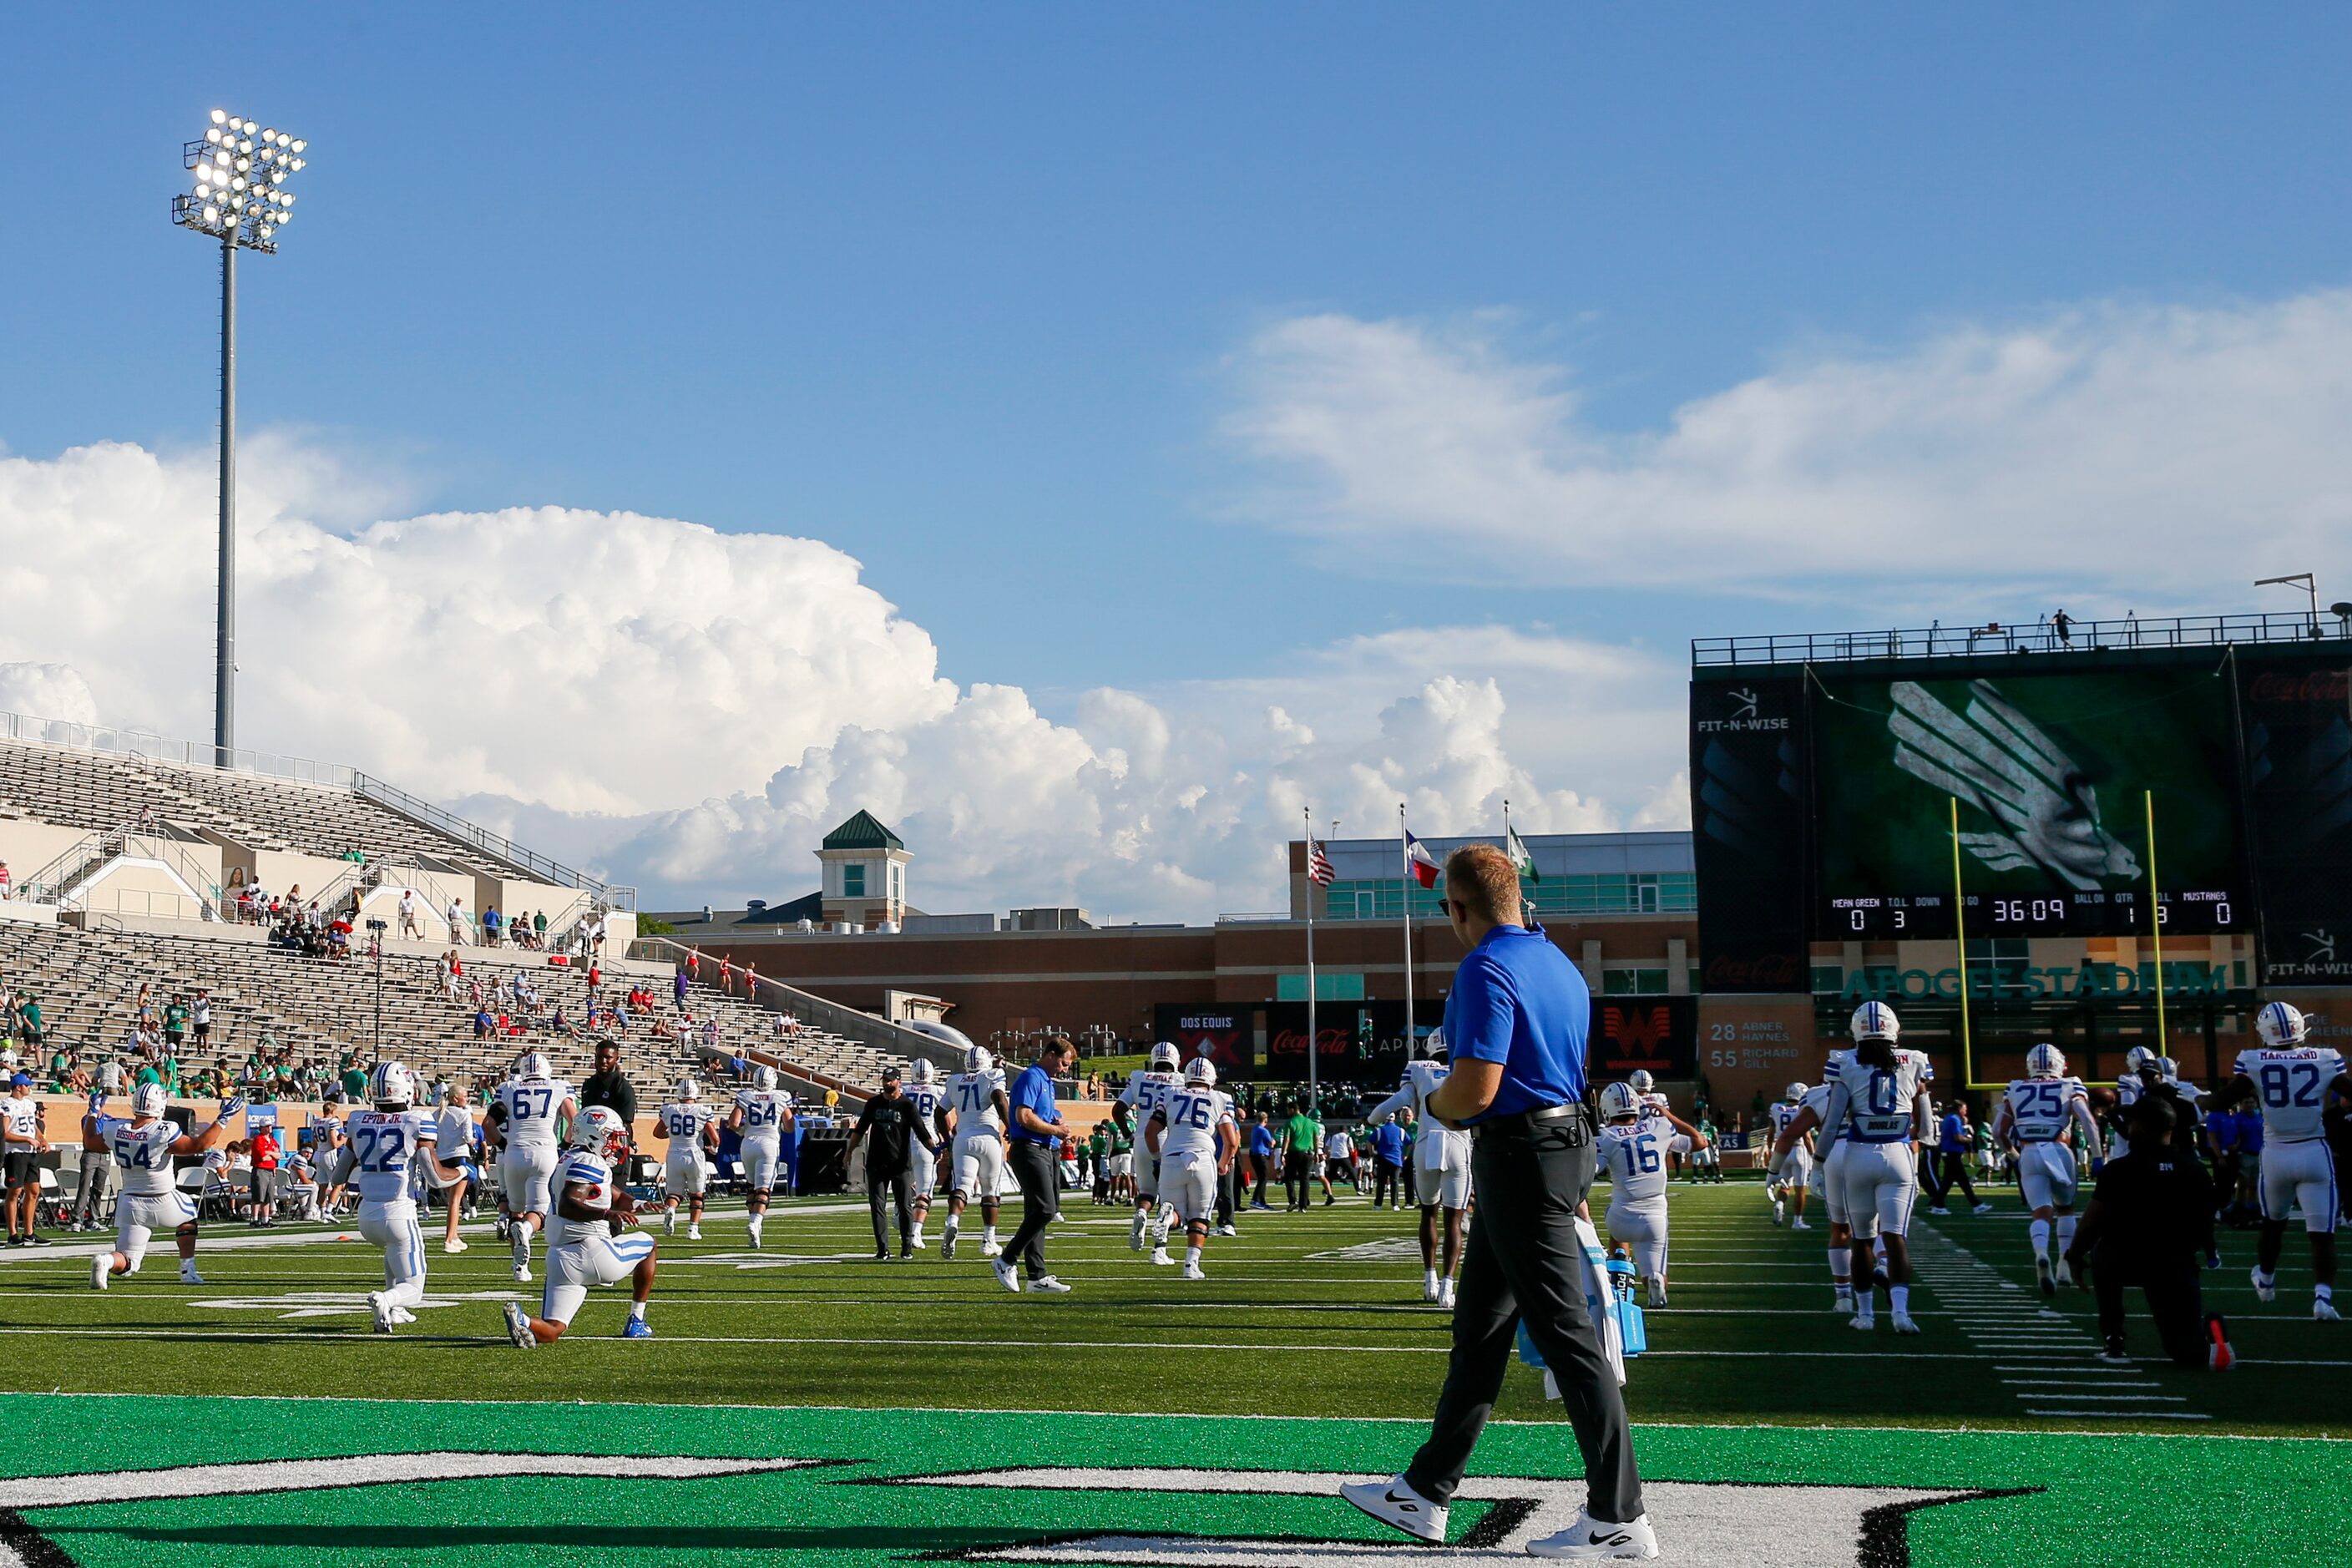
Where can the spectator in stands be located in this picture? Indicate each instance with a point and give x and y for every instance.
(539, 929)
(354, 1079)
(200, 1017)
(460, 931)
(407, 911)
(490, 925)
(7, 882)
(31, 1027)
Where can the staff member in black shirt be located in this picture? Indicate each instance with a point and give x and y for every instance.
(2151, 1219)
(608, 1086)
(890, 1122)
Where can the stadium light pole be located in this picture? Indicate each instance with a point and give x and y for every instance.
(236, 195)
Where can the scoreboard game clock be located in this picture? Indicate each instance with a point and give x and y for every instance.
(2053, 779)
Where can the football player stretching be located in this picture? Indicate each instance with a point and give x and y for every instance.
(1632, 1148)
(146, 1199)
(590, 1242)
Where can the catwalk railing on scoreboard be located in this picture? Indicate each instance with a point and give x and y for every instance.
(1996, 637)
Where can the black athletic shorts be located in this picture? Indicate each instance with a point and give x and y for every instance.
(19, 1168)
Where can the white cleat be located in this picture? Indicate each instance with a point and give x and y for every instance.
(1445, 1295)
(755, 1228)
(1006, 1277)
(1861, 1320)
(1227, 1230)
(1844, 1304)
(518, 1324)
(2265, 1289)
(101, 1270)
(379, 1311)
(694, 1233)
(669, 1222)
(454, 1243)
(1135, 1231)
(2044, 1279)
(920, 1245)
(522, 1273)
(1984, 1208)
(1903, 1325)
(1192, 1271)
(1799, 1224)
(402, 1315)
(1159, 1257)
(1657, 1291)
(1046, 1285)
(1780, 1210)
(1397, 1506)
(1428, 1285)
(991, 1249)
(2323, 1309)
(1593, 1540)
(2060, 1272)
(188, 1275)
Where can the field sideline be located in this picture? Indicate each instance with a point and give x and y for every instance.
(811, 1403)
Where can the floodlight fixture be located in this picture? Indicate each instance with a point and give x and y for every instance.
(233, 198)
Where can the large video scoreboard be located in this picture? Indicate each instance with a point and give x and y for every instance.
(2095, 793)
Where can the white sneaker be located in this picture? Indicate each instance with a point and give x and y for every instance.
(991, 1249)
(453, 1244)
(2323, 1309)
(1446, 1294)
(379, 1311)
(1591, 1538)
(1227, 1230)
(1657, 1291)
(1007, 1278)
(1799, 1224)
(694, 1233)
(1159, 1257)
(2264, 1289)
(1903, 1325)
(1397, 1505)
(188, 1275)
(101, 1271)
(1938, 1209)
(1192, 1271)
(1049, 1286)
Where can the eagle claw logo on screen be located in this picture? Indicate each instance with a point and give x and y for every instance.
(1700, 1523)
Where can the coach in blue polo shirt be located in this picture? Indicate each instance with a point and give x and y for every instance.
(1038, 1127)
(1516, 1021)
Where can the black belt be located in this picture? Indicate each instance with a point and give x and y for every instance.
(1570, 1118)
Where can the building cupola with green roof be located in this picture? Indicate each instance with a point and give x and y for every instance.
(865, 871)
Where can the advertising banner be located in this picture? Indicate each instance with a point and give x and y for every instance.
(1360, 1042)
(1228, 1035)
(1748, 818)
(1658, 1034)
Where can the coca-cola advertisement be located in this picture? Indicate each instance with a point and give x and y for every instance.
(1360, 1042)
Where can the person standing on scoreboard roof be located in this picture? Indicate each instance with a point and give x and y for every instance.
(2036, 1115)
(1516, 1018)
(761, 1117)
(690, 1127)
(387, 1146)
(1194, 1141)
(1146, 1095)
(923, 1174)
(149, 1199)
(588, 1245)
(522, 1119)
(975, 1117)
(1785, 1181)
(2291, 1080)
(1441, 1162)
(1631, 1150)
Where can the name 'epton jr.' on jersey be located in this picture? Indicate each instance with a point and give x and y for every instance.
(382, 1150)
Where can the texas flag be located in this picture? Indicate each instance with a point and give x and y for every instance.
(1419, 861)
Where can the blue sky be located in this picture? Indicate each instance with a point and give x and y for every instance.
(984, 297)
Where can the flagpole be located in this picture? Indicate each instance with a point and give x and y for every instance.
(1404, 848)
(1314, 1041)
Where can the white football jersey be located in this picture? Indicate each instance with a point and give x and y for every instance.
(531, 1105)
(2040, 1109)
(1632, 1156)
(1654, 1110)
(1194, 1116)
(1879, 1101)
(589, 1169)
(1148, 1092)
(1420, 1080)
(927, 1099)
(383, 1147)
(145, 1155)
(2291, 1087)
(972, 1097)
(1784, 1112)
(21, 1116)
(763, 1114)
(683, 1121)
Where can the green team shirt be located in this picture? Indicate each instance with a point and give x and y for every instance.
(1121, 1143)
(1305, 1133)
(1099, 1143)
(175, 1017)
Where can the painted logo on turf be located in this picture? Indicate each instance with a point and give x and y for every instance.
(1763, 1526)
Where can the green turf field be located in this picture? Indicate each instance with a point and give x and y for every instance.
(1313, 1315)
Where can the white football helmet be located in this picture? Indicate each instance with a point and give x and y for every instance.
(2281, 1025)
(531, 1065)
(924, 1071)
(1165, 1057)
(2168, 1068)
(688, 1091)
(1640, 1081)
(1875, 1021)
(1200, 1073)
(2140, 1059)
(2045, 1060)
(763, 1077)
(392, 1084)
(147, 1099)
(601, 1130)
(1433, 1048)
(976, 1061)
(1620, 1102)
(1796, 1091)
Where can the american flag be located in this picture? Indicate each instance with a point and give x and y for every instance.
(1318, 865)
